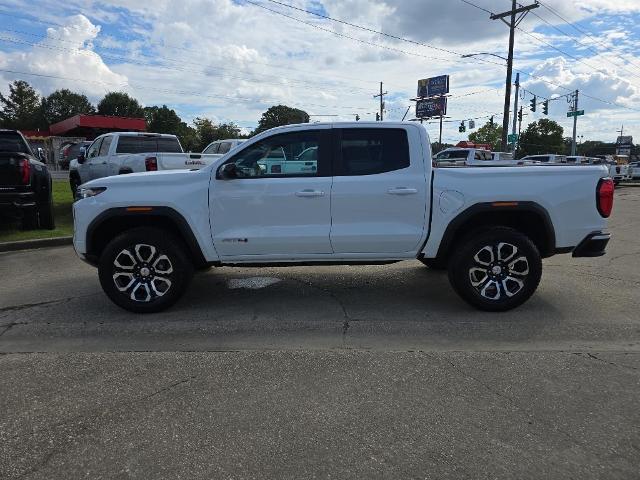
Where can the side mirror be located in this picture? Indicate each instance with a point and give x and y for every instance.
(227, 171)
(41, 155)
(82, 155)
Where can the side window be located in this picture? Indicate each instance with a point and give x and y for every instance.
(224, 147)
(213, 148)
(367, 151)
(286, 155)
(104, 148)
(94, 148)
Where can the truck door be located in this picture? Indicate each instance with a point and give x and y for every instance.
(268, 209)
(88, 169)
(100, 164)
(380, 191)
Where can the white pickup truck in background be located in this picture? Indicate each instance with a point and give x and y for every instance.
(118, 153)
(456, 156)
(370, 195)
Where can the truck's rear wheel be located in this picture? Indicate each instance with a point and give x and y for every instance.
(495, 269)
(45, 214)
(145, 270)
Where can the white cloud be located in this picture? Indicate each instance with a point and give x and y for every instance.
(67, 51)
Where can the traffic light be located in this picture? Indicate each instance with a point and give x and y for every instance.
(520, 115)
(377, 117)
(357, 118)
(545, 107)
(462, 128)
(533, 103)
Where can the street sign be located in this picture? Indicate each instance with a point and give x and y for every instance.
(431, 107)
(575, 114)
(512, 137)
(430, 87)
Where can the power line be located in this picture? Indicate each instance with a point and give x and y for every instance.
(579, 29)
(174, 92)
(169, 46)
(578, 42)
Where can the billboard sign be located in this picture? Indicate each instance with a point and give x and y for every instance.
(431, 107)
(430, 87)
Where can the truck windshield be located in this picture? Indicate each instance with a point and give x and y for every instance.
(12, 142)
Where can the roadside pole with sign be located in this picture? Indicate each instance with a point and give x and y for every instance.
(431, 100)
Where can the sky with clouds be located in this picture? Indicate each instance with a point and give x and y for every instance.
(230, 60)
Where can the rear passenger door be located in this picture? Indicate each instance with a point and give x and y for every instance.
(379, 196)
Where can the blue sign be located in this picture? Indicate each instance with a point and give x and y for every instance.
(430, 87)
(431, 107)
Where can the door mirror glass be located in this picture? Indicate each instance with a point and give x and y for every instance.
(227, 171)
(41, 155)
(82, 154)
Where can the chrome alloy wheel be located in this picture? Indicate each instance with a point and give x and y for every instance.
(142, 272)
(498, 270)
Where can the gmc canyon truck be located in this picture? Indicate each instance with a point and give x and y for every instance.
(25, 183)
(128, 152)
(372, 198)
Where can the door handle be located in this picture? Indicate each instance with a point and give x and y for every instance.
(310, 193)
(103, 163)
(402, 191)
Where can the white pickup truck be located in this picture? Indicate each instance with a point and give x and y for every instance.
(372, 197)
(129, 152)
(456, 156)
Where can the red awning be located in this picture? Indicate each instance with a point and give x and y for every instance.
(84, 123)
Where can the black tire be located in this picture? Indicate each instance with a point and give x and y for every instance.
(434, 263)
(152, 292)
(30, 219)
(45, 214)
(491, 280)
(74, 183)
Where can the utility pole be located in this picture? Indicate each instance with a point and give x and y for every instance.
(381, 95)
(512, 24)
(575, 122)
(515, 109)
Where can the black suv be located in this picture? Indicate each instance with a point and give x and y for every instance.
(25, 183)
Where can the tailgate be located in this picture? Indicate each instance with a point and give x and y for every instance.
(10, 174)
(173, 161)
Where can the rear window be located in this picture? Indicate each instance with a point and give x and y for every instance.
(141, 144)
(12, 142)
(452, 155)
(367, 151)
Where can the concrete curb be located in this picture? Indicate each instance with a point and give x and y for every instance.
(37, 243)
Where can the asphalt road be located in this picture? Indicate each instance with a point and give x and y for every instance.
(323, 372)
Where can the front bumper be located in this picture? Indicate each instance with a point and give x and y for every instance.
(593, 245)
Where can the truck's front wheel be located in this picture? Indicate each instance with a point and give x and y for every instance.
(495, 269)
(145, 270)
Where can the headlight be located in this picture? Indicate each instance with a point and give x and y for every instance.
(89, 192)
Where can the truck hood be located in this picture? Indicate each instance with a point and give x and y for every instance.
(161, 177)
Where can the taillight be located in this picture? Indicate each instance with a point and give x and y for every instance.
(151, 164)
(25, 171)
(604, 196)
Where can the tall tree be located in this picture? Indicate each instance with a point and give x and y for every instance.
(280, 115)
(21, 109)
(207, 132)
(543, 136)
(120, 104)
(63, 104)
(162, 119)
(490, 133)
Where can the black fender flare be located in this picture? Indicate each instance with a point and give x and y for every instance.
(466, 215)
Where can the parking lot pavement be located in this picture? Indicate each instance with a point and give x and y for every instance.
(367, 371)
